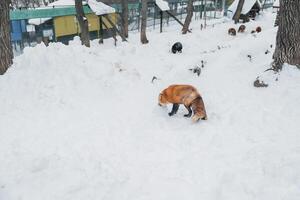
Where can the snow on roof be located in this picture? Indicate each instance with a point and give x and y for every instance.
(64, 3)
(248, 4)
(163, 5)
(100, 8)
(276, 3)
(38, 21)
(97, 7)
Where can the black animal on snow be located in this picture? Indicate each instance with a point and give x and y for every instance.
(177, 47)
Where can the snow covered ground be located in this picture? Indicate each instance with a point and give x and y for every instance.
(83, 123)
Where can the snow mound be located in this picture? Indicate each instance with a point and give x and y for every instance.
(83, 123)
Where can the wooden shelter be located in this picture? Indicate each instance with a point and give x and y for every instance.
(250, 9)
(61, 20)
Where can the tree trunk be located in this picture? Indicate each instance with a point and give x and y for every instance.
(190, 10)
(277, 18)
(238, 11)
(144, 10)
(288, 35)
(6, 53)
(125, 17)
(83, 24)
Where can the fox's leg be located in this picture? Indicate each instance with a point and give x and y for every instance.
(174, 109)
(190, 111)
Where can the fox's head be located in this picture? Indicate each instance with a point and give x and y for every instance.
(199, 116)
(162, 101)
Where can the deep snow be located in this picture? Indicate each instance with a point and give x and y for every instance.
(83, 123)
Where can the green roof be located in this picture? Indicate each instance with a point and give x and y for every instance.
(118, 7)
(45, 12)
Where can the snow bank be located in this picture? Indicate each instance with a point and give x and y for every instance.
(83, 123)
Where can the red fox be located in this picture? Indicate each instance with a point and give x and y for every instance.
(258, 29)
(242, 28)
(232, 31)
(186, 95)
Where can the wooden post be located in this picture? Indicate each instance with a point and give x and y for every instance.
(112, 35)
(101, 30)
(154, 16)
(114, 27)
(139, 17)
(161, 19)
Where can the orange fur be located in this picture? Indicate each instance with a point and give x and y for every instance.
(186, 95)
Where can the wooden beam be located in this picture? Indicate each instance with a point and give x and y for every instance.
(115, 28)
(101, 29)
(177, 19)
(112, 35)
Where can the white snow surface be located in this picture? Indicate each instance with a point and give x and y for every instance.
(38, 21)
(163, 5)
(100, 8)
(276, 3)
(97, 7)
(248, 4)
(83, 123)
(64, 3)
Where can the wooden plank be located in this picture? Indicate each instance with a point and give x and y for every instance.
(112, 35)
(115, 28)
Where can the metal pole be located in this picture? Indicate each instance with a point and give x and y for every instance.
(205, 14)
(215, 13)
(161, 20)
(201, 9)
(154, 16)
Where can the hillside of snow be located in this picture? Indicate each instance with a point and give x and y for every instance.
(83, 123)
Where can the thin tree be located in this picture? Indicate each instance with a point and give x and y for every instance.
(288, 35)
(238, 11)
(6, 53)
(144, 9)
(83, 24)
(125, 17)
(190, 10)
